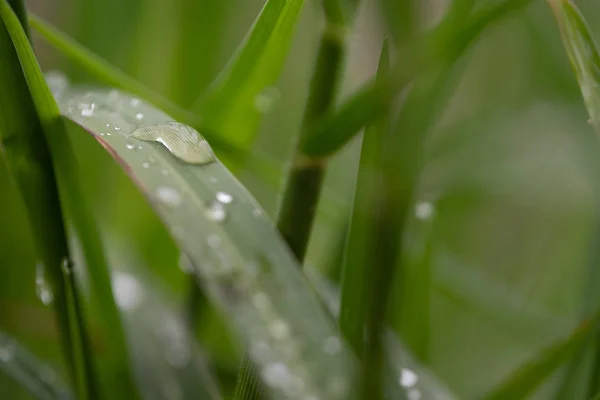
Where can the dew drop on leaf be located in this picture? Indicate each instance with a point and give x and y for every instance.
(6, 354)
(216, 212)
(182, 141)
(127, 290)
(168, 196)
(408, 378)
(139, 116)
(424, 210)
(42, 288)
(224, 198)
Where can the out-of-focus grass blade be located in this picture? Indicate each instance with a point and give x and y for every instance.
(234, 102)
(112, 76)
(40, 380)
(72, 199)
(357, 267)
(532, 373)
(583, 53)
(166, 359)
(440, 47)
(236, 252)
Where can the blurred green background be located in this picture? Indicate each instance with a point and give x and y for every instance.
(511, 169)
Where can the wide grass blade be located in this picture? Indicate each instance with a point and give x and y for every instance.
(234, 102)
(40, 380)
(439, 47)
(74, 204)
(532, 373)
(236, 253)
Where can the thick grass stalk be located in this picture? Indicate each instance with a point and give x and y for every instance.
(28, 159)
(305, 178)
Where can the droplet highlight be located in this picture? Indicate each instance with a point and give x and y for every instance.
(216, 212)
(424, 210)
(42, 288)
(127, 290)
(168, 196)
(408, 378)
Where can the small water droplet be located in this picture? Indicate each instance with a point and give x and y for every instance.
(42, 288)
(185, 265)
(216, 212)
(261, 301)
(168, 196)
(408, 378)
(224, 198)
(146, 165)
(117, 128)
(213, 241)
(165, 172)
(279, 329)
(127, 290)
(264, 101)
(257, 212)
(424, 210)
(130, 146)
(332, 345)
(108, 125)
(181, 140)
(414, 394)
(139, 116)
(276, 374)
(135, 102)
(6, 354)
(87, 110)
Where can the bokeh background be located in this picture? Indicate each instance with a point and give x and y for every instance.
(511, 169)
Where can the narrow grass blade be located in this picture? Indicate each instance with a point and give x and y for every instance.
(233, 104)
(582, 51)
(40, 380)
(236, 252)
(71, 196)
(357, 267)
(440, 47)
(532, 373)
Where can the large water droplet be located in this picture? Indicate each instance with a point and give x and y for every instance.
(224, 198)
(168, 196)
(424, 210)
(408, 378)
(181, 140)
(42, 288)
(128, 291)
(216, 212)
(276, 374)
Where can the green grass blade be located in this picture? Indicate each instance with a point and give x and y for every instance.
(532, 373)
(356, 269)
(229, 106)
(112, 76)
(237, 254)
(26, 154)
(583, 53)
(40, 380)
(337, 128)
(62, 159)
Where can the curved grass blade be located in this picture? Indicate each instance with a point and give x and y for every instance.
(532, 373)
(166, 359)
(236, 252)
(233, 103)
(71, 197)
(40, 380)
(582, 51)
